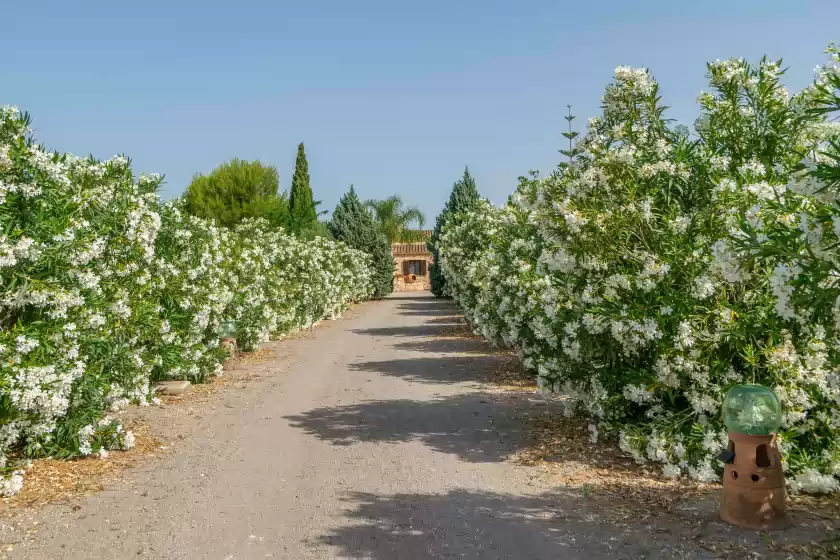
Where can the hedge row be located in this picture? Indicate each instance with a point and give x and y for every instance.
(106, 289)
(663, 264)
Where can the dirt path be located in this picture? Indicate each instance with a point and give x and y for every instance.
(371, 438)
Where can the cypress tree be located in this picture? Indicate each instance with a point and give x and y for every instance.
(301, 205)
(462, 198)
(352, 223)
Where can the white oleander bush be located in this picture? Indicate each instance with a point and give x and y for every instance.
(663, 265)
(106, 289)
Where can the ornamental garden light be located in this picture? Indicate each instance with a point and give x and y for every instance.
(753, 480)
(227, 340)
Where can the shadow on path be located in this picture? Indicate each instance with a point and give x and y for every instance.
(477, 427)
(437, 306)
(450, 313)
(424, 296)
(467, 524)
(558, 524)
(447, 320)
(417, 330)
(448, 345)
(447, 369)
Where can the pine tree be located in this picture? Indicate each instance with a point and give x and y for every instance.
(352, 223)
(237, 190)
(463, 196)
(301, 206)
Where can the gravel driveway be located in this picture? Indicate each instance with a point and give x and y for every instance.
(369, 438)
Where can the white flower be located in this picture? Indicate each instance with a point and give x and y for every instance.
(671, 471)
(679, 225)
(11, 485)
(85, 434)
(121, 309)
(752, 168)
(646, 206)
(704, 472)
(637, 394)
(726, 264)
(26, 345)
(702, 403)
(96, 320)
(765, 191)
(726, 184)
(704, 288)
(782, 290)
(593, 433)
(128, 441)
(812, 481)
(685, 336)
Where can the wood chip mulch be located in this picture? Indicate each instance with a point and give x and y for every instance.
(50, 481)
(562, 450)
(561, 447)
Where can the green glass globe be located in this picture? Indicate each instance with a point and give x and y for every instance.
(752, 409)
(227, 329)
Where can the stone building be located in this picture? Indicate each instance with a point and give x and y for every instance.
(411, 266)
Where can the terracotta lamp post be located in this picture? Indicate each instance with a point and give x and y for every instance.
(227, 340)
(753, 481)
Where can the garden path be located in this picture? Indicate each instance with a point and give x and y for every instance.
(371, 437)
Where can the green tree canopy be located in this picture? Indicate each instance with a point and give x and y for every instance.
(318, 229)
(302, 208)
(394, 219)
(463, 197)
(352, 223)
(236, 190)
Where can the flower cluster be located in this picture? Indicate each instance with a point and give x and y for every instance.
(662, 266)
(105, 289)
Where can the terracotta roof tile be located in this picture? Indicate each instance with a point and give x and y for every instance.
(410, 249)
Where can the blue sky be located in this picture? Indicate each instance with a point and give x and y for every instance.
(394, 97)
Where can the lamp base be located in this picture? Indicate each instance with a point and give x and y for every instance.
(754, 508)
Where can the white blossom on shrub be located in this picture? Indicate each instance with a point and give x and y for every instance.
(660, 267)
(106, 289)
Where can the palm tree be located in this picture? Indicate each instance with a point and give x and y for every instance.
(394, 219)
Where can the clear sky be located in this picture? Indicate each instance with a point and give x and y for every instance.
(394, 97)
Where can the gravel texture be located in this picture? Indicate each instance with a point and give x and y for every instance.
(371, 437)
